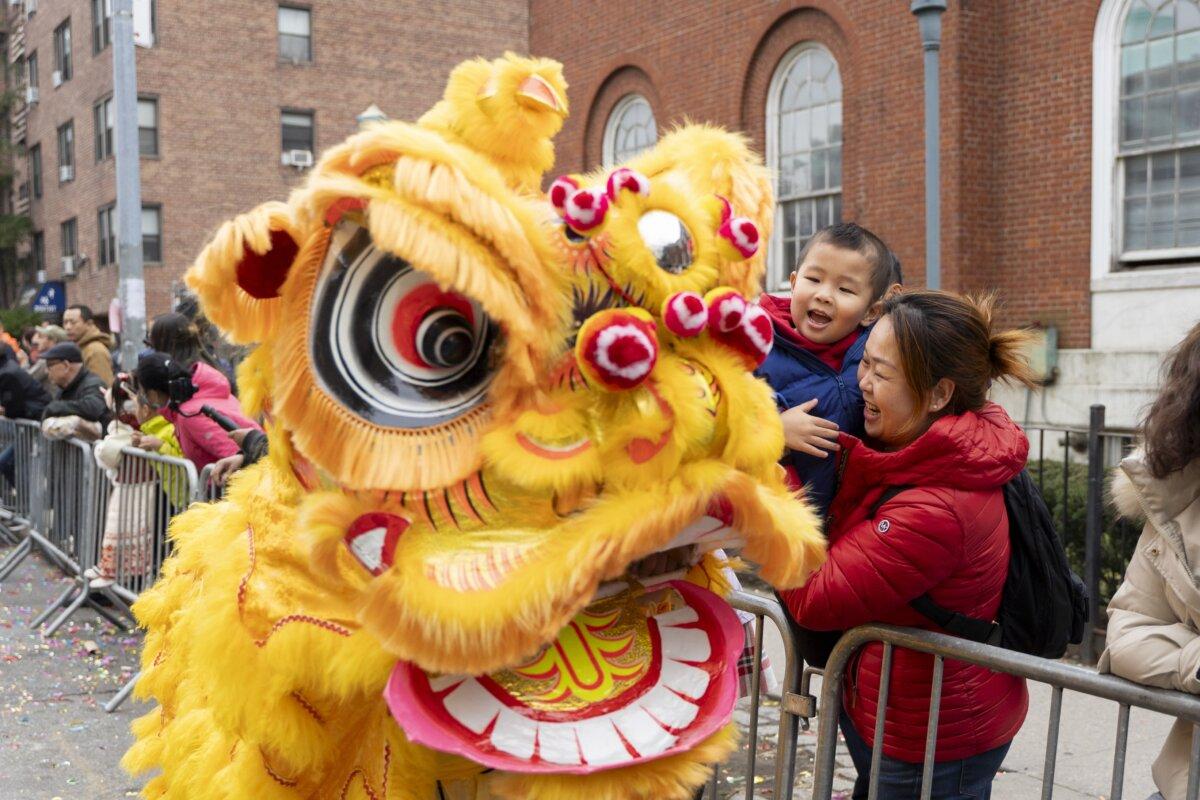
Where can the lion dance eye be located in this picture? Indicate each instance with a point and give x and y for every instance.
(390, 344)
(668, 240)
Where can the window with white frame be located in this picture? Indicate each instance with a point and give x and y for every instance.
(297, 131)
(295, 34)
(147, 112)
(152, 233)
(804, 147)
(1158, 133)
(630, 130)
(102, 127)
(106, 229)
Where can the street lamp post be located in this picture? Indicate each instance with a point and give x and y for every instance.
(129, 192)
(929, 18)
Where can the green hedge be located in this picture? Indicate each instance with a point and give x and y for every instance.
(1118, 537)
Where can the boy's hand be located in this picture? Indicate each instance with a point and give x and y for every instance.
(806, 433)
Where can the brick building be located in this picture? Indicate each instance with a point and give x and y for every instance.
(1053, 118)
(228, 89)
(1070, 133)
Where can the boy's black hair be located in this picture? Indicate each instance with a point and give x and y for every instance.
(852, 236)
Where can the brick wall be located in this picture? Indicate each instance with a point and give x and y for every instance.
(221, 87)
(1016, 124)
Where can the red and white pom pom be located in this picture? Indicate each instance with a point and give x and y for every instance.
(742, 233)
(757, 334)
(618, 348)
(725, 310)
(739, 325)
(562, 188)
(627, 179)
(585, 209)
(685, 314)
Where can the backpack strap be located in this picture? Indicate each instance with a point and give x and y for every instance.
(888, 493)
(962, 626)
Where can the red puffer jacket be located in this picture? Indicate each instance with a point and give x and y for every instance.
(947, 536)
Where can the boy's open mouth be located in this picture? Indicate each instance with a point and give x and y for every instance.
(818, 319)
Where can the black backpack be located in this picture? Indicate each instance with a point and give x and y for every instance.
(1044, 605)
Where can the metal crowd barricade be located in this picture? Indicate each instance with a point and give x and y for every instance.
(1057, 674)
(8, 489)
(73, 523)
(794, 706)
(149, 490)
(30, 470)
(207, 490)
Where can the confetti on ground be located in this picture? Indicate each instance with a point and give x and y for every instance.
(58, 741)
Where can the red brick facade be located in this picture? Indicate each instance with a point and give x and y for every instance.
(221, 86)
(1016, 110)
(1016, 120)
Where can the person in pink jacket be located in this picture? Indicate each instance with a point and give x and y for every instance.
(181, 392)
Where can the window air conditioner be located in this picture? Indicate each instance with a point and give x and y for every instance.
(300, 159)
(30, 7)
(68, 266)
(56, 78)
(66, 173)
(31, 95)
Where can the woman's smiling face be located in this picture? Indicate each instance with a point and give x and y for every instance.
(889, 402)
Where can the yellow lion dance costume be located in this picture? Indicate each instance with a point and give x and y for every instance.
(480, 413)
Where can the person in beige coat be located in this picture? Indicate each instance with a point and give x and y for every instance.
(1154, 618)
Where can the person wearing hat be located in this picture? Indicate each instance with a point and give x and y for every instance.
(80, 391)
(180, 392)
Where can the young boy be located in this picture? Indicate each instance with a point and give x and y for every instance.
(841, 277)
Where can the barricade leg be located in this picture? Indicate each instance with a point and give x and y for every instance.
(14, 559)
(63, 599)
(123, 695)
(76, 604)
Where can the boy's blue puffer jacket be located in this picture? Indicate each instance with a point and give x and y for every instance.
(797, 376)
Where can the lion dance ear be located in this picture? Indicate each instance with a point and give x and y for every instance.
(239, 276)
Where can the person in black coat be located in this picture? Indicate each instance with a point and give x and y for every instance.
(21, 397)
(81, 392)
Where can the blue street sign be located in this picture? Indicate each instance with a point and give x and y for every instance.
(51, 298)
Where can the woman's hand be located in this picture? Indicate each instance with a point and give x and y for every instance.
(809, 434)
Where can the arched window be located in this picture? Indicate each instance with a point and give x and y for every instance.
(630, 130)
(804, 146)
(1154, 133)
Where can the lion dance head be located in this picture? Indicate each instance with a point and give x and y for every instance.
(484, 405)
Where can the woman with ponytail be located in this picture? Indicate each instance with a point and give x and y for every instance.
(920, 511)
(1154, 617)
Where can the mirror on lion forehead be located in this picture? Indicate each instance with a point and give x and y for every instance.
(668, 240)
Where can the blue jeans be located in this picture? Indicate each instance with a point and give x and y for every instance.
(965, 779)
